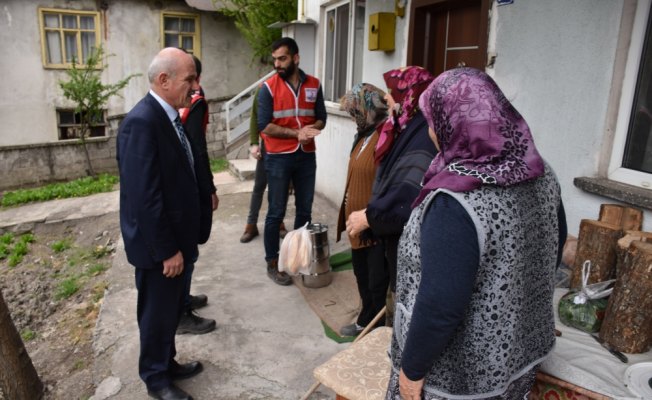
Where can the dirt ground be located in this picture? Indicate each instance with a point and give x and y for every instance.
(54, 298)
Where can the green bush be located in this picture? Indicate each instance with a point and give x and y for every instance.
(77, 188)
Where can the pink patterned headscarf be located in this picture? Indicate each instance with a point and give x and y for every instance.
(483, 139)
(405, 85)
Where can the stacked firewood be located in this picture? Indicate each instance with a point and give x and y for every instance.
(618, 249)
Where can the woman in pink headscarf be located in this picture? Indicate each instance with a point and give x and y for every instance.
(403, 154)
(476, 261)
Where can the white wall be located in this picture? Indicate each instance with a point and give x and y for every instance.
(32, 93)
(334, 143)
(555, 61)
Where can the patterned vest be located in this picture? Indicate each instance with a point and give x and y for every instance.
(291, 111)
(509, 324)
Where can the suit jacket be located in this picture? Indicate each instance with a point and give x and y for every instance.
(159, 197)
(195, 129)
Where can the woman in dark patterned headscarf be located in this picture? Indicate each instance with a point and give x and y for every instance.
(474, 313)
(404, 152)
(367, 106)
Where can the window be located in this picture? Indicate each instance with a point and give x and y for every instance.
(344, 41)
(67, 37)
(182, 30)
(631, 158)
(69, 124)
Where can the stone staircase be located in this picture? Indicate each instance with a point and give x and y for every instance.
(244, 169)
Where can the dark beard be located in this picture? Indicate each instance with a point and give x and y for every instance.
(288, 72)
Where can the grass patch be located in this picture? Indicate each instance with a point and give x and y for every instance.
(7, 238)
(27, 334)
(14, 254)
(61, 245)
(219, 164)
(95, 269)
(77, 188)
(67, 288)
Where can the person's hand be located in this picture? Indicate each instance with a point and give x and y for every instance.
(307, 133)
(357, 222)
(254, 150)
(215, 201)
(409, 390)
(173, 266)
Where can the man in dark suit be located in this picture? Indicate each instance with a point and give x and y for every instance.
(159, 216)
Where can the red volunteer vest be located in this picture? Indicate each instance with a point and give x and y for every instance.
(184, 112)
(291, 111)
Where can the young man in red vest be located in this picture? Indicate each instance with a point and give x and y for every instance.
(291, 112)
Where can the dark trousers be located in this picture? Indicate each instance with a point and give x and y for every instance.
(300, 168)
(159, 306)
(372, 276)
(260, 183)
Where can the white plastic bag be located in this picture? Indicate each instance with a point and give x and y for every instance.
(295, 254)
(593, 291)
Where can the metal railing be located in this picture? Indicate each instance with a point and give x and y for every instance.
(239, 105)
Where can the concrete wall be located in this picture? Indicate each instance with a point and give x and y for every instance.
(30, 152)
(29, 115)
(558, 73)
(556, 63)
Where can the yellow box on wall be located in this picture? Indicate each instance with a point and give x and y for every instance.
(382, 28)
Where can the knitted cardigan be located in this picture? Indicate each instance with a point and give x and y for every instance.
(359, 180)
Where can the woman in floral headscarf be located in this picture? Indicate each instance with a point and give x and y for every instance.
(403, 153)
(476, 264)
(368, 108)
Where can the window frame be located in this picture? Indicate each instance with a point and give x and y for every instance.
(350, 66)
(76, 116)
(77, 13)
(616, 172)
(196, 50)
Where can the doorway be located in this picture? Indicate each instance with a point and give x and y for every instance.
(448, 33)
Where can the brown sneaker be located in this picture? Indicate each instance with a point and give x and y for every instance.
(282, 231)
(251, 231)
(280, 278)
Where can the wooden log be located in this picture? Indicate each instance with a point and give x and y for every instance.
(597, 243)
(627, 325)
(628, 218)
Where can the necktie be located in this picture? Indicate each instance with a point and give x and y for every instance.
(184, 142)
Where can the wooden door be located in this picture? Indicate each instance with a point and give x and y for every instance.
(448, 33)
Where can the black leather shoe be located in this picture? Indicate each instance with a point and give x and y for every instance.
(194, 324)
(198, 301)
(169, 393)
(184, 371)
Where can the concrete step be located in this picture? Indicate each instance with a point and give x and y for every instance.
(244, 169)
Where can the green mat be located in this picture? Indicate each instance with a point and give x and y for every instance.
(330, 333)
(341, 261)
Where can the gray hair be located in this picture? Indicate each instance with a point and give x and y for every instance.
(165, 62)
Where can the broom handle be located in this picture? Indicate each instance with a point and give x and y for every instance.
(360, 336)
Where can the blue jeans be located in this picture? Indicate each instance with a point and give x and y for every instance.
(299, 168)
